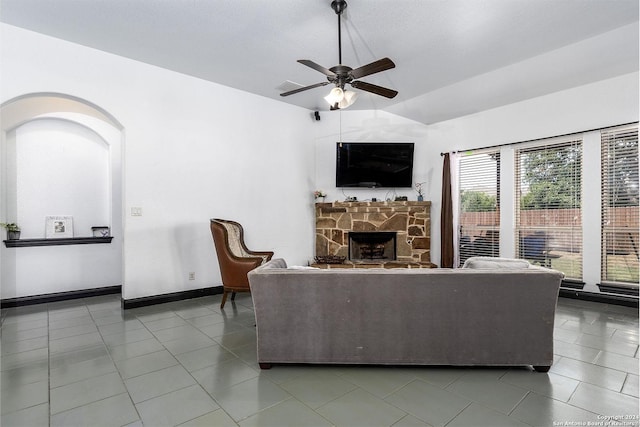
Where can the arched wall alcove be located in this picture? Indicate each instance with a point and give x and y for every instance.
(49, 139)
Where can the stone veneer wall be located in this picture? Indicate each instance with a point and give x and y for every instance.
(411, 220)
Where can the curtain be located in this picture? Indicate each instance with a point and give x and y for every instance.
(446, 217)
(454, 161)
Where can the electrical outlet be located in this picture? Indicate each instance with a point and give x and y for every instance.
(192, 275)
(136, 211)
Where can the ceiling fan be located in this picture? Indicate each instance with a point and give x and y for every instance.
(340, 75)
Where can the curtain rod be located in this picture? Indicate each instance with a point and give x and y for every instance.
(537, 139)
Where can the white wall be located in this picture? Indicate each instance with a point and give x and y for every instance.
(367, 126)
(192, 150)
(605, 103)
(62, 168)
(195, 150)
(601, 104)
(58, 167)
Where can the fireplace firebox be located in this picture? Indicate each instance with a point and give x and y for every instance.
(372, 245)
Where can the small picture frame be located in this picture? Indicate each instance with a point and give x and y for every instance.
(57, 227)
(100, 231)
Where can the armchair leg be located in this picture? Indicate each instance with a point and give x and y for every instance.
(225, 294)
(224, 298)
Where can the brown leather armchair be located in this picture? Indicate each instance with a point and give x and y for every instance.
(234, 258)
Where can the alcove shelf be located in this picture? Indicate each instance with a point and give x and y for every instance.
(22, 243)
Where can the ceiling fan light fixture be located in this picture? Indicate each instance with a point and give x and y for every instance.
(335, 96)
(348, 100)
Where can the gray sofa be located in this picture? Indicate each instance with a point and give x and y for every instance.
(489, 315)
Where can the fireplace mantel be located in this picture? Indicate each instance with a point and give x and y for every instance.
(411, 220)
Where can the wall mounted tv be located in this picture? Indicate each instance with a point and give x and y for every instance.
(374, 164)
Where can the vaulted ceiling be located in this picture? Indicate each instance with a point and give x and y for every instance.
(453, 57)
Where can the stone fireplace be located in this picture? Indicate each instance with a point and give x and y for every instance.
(409, 223)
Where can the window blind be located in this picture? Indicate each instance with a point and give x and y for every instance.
(548, 205)
(620, 224)
(479, 204)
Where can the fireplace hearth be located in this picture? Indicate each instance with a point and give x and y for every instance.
(374, 245)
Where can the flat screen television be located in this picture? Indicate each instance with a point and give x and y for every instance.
(374, 164)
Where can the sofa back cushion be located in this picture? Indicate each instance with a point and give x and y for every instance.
(273, 264)
(491, 263)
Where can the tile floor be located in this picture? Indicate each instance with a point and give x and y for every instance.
(88, 363)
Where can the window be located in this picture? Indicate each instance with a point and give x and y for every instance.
(479, 205)
(548, 206)
(620, 208)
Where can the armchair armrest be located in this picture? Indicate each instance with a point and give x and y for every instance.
(265, 255)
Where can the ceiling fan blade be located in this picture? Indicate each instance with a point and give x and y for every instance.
(291, 92)
(375, 67)
(317, 67)
(378, 90)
